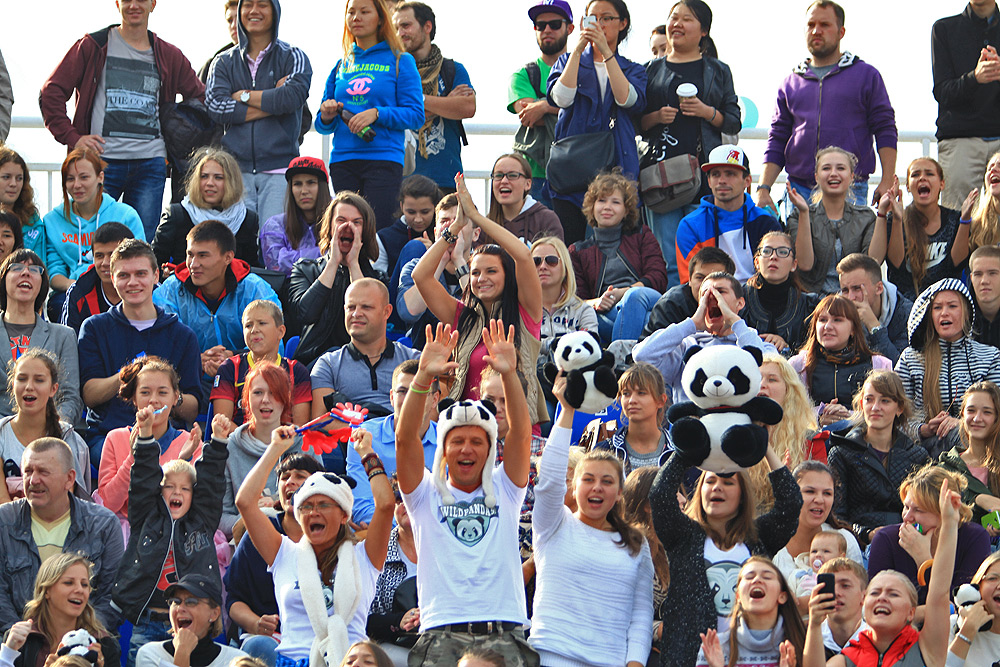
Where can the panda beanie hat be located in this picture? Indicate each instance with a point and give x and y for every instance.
(465, 413)
(331, 642)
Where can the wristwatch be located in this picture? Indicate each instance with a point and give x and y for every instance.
(245, 96)
(875, 329)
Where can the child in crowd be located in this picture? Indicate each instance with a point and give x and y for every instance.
(174, 512)
(826, 545)
(263, 329)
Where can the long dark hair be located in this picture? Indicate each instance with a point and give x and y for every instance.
(794, 630)
(838, 306)
(703, 13)
(636, 511)
(53, 426)
(756, 280)
(295, 222)
(23, 256)
(496, 210)
(623, 14)
(474, 315)
(915, 237)
(24, 207)
(631, 535)
(991, 461)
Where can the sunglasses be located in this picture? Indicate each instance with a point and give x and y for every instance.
(551, 260)
(767, 251)
(554, 24)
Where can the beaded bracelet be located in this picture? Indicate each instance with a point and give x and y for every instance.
(375, 473)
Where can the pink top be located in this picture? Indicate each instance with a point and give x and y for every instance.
(980, 473)
(116, 467)
(477, 361)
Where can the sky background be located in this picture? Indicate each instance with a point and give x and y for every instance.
(760, 41)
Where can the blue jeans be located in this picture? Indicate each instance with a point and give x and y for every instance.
(538, 191)
(144, 631)
(664, 227)
(378, 181)
(627, 318)
(139, 183)
(262, 647)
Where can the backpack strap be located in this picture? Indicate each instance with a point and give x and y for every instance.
(448, 78)
(535, 78)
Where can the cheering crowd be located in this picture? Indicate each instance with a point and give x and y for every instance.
(305, 415)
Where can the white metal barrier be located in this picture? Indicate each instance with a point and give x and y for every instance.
(478, 163)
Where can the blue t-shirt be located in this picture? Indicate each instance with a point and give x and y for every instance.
(444, 144)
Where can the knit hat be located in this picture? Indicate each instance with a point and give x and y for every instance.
(331, 485)
(915, 328)
(307, 165)
(465, 413)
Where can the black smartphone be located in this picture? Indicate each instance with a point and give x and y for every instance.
(827, 583)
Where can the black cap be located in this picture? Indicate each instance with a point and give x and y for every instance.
(198, 585)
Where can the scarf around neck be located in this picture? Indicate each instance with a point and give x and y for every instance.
(430, 70)
(232, 217)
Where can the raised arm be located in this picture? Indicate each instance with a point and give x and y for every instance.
(801, 230)
(937, 609)
(377, 539)
(433, 362)
(550, 489)
(960, 248)
(502, 356)
(435, 297)
(263, 533)
(529, 288)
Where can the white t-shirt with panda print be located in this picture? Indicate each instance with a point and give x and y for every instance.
(468, 563)
(297, 633)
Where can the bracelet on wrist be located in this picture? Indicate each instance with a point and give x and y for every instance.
(375, 472)
(881, 215)
(964, 222)
(449, 237)
(715, 112)
(764, 187)
(965, 639)
(370, 461)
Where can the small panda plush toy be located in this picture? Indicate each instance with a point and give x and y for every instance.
(591, 384)
(965, 596)
(715, 431)
(77, 642)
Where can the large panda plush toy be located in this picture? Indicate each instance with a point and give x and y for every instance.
(591, 384)
(715, 430)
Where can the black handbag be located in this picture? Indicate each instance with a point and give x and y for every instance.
(575, 161)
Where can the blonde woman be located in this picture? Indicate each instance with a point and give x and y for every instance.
(907, 547)
(61, 604)
(214, 191)
(792, 437)
(979, 648)
(985, 228)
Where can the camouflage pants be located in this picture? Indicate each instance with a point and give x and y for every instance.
(443, 648)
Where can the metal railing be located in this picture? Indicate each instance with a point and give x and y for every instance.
(477, 161)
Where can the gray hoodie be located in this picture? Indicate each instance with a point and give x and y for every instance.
(271, 142)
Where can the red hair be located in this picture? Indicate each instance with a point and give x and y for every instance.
(278, 382)
(76, 155)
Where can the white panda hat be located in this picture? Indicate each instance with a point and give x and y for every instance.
(328, 484)
(465, 413)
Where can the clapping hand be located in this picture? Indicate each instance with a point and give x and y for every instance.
(501, 353)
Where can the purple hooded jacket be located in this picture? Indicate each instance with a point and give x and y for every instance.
(846, 109)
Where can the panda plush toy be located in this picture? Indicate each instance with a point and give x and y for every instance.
(591, 384)
(715, 430)
(965, 596)
(78, 642)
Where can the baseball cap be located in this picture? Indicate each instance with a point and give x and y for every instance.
(197, 585)
(557, 6)
(307, 165)
(727, 155)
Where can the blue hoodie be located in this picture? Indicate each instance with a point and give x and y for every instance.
(737, 232)
(374, 78)
(271, 142)
(68, 250)
(108, 341)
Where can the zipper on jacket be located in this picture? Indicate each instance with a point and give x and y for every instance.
(170, 546)
(819, 117)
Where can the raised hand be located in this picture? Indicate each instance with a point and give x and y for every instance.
(354, 254)
(191, 444)
(711, 647)
(950, 504)
(222, 426)
(969, 205)
(727, 313)
(501, 353)
(144, 422)
(361, 439)
(18, 634)
(798, 201)
(822, 603)
(281, 437)
(440, 345)
(787, 653)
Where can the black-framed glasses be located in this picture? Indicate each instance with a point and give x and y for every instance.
(782, 252)
(554, 24)
(190, 603)
(32, 268)
(512, 176)
(551, 260)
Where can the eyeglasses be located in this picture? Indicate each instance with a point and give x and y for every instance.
(512, 176)
(322, 507)
(551, 260)
(32, 268)
(554, 24)
(783, 252)
(190, 603)
(607, 19)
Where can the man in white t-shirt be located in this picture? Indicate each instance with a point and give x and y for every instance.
(465, 512)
